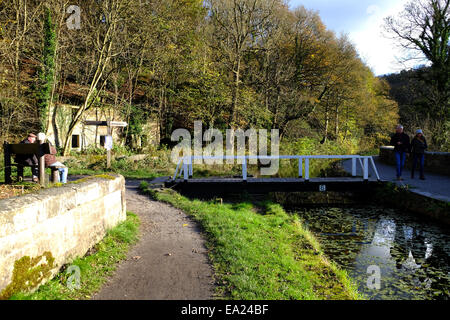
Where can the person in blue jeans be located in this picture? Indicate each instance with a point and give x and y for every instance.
(402, 146)
(418, 147)
(50, 161)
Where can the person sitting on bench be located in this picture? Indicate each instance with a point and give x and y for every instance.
(50, 161)
(29, 159)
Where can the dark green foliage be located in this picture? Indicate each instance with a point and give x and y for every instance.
(413, 90)
(424, 28)
(47, 71)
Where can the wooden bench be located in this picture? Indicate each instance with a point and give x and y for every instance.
(39, 149)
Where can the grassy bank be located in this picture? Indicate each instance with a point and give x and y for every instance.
(95, 268)
(260, 252)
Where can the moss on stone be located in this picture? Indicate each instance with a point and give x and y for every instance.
(28, 274)
(101, 176)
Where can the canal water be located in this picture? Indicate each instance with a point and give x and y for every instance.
(389, 254)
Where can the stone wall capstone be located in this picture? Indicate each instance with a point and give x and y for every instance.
(435, 162)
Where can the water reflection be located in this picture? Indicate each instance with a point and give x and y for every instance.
(412, 254)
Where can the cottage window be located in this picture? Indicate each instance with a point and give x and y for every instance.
(75, 141)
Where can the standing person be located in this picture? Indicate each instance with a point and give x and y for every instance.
(418, 147)
(29, 159)
(401, 143)
(50, 161)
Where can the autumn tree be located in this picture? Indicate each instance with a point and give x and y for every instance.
(238, 24)
(20, 53)
(424, 27)
(101, 31)
(229, 63)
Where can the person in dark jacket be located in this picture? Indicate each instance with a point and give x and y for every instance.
(29, 159)
(401, 143)
(418, 147)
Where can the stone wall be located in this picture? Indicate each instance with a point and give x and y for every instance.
(57, 224)
(435, 162)
(411, 201)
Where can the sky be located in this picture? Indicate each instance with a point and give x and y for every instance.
(362, 21)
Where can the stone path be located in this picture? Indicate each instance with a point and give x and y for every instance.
(169, 262)
(435, 186)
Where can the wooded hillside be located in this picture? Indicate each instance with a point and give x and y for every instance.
(229, 63)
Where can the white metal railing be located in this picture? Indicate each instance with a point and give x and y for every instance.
(185, 168)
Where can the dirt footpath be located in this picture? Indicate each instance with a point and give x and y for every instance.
(170, 260)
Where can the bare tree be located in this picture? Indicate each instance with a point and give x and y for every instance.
(102, 34)
(424, 27)
(238, 24)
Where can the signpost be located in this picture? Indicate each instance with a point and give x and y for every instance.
(108, 139)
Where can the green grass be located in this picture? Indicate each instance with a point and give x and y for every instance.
(260, 252)
(128, 174)
(95, 268)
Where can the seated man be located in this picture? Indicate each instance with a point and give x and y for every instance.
(29, 159)
(50, 161)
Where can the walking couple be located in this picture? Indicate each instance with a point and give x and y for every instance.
(416, 147)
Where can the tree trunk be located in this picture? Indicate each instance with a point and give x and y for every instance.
(17, 48)
(235, 94)
(103, 61)
(336, 127)
(327, 122)
(51, 107)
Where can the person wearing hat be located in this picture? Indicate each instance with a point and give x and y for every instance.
(29, 159)
(401, 143)
(418, 147)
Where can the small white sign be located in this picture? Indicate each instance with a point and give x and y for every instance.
(108, 142)
(74, 280)
(322, 188)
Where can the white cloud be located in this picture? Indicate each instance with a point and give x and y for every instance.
(377, 51)
(373, 9)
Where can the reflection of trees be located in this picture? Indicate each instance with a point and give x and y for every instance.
(439, 257)
(418, 246)
(409, 240)
(439, 260)
(370, 228)
(343, 235)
